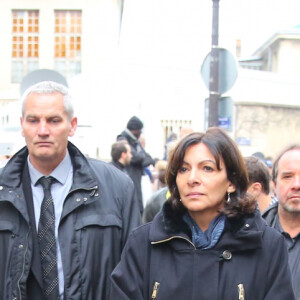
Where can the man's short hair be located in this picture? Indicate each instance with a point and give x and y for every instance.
(258, 172)
(50, 87)
(275, 164)
(117, 149)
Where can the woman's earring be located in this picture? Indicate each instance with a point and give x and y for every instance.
(228, 198)
(180, 199)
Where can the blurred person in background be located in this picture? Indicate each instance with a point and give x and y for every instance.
(158, 173)
(259, 182)
(172, 137)
(209, 241)
(160, 192)
(140, 158)
(121, 155)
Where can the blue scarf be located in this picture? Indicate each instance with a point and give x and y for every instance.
(208, 238)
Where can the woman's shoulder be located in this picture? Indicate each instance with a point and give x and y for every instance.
(141, 232)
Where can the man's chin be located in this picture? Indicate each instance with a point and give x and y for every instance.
(43, 154)
(292, 208)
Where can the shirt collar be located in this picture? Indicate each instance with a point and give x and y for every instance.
(60, 173)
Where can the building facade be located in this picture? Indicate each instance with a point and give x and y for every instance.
(149, 67)
(67, 36)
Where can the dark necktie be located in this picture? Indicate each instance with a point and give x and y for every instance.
(47, 242)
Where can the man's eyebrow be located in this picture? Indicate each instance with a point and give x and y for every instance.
(54, 116)
(31, 116)
(286, 173)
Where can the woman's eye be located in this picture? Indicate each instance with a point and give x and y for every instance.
(208, 168)
(182, 170)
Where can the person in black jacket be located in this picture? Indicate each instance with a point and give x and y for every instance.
(140, 158)
(93, 202)
(284, 215)
(209, 241)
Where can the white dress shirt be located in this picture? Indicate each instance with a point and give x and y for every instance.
(63, 173)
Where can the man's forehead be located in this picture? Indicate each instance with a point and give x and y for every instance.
(291, 158)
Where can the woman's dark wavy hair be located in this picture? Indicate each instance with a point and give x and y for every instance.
(222, 147)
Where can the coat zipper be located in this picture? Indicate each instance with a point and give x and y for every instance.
(241, 291)
(155, 290)
(23, 267)
(174, 237)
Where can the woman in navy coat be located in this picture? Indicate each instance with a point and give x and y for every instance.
(209, 242)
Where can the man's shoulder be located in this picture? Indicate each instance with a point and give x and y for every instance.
(122, 136)
(125, 136)
(270, 213)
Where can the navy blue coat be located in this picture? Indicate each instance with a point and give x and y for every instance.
(160, 262)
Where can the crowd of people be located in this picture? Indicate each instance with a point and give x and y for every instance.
(216, 225)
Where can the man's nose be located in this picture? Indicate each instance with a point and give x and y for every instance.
(296, 182)
(43, 129)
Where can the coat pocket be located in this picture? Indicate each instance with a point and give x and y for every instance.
(98, 220)
(93, 232)
(7, 226)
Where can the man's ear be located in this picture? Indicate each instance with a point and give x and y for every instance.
(73, 126)
(255, 189)
(21, 122)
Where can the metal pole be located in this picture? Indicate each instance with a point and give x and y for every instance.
(213, 119)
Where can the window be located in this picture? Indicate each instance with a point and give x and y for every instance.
(67, 42)
(25, 43)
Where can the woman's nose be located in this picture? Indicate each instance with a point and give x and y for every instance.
(194, 177)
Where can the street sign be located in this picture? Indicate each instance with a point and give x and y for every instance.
(225, 122)
(243, 141)
(227, 70)
(225, 112)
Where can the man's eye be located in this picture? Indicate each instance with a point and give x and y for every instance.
(32, 120)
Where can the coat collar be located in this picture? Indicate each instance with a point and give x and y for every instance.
(239, 234)
(132, 140)
(270, 214)
(84, 177)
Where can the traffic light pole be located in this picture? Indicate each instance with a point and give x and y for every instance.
(213, 114)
